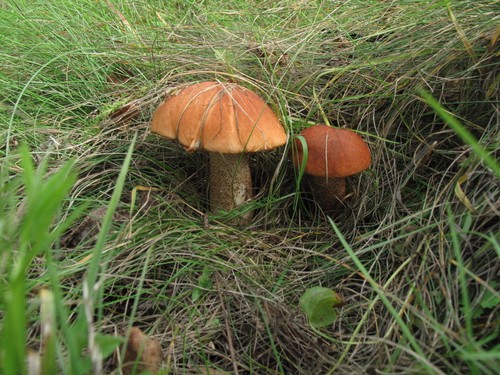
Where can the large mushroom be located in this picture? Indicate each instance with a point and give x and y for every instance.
(227, 121)
(332, 154)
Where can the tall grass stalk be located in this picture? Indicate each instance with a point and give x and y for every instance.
(418, 352)
(462, 132)
(33, 236)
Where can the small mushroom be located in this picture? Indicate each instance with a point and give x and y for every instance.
(332, 155)
(227, 121)
(141, 354)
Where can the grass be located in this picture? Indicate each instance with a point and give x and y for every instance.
(104, 226)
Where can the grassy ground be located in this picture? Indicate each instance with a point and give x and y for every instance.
(104, 226)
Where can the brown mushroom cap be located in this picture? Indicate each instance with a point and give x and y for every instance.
(218, 117)
(332, 152)
(142, 353)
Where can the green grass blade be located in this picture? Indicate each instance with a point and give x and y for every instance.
(419, 353)
(44, 197)
(462, 132)
(94, 291)
(108, 218)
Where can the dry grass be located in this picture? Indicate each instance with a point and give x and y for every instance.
(350, 64)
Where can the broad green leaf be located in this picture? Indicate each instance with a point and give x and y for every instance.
(319, 304)
(204, 282)
(108, 344)
(490, 299)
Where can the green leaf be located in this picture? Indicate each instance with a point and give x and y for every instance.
(108, 344)
(319, 304)
(204, 282)
(489, 300)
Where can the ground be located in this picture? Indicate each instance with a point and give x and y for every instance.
(105, 226)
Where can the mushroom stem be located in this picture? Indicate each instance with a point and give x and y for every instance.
(230, 183)
(329, 192)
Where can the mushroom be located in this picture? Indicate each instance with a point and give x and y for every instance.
(332, 155)
(142, 353)
(227, 121)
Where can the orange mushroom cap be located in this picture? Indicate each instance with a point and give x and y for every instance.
(332, 152)
(218, 117)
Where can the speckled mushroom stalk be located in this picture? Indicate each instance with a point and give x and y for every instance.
(332, 155)
(227, 121)
(329, 192)
(230, 182)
